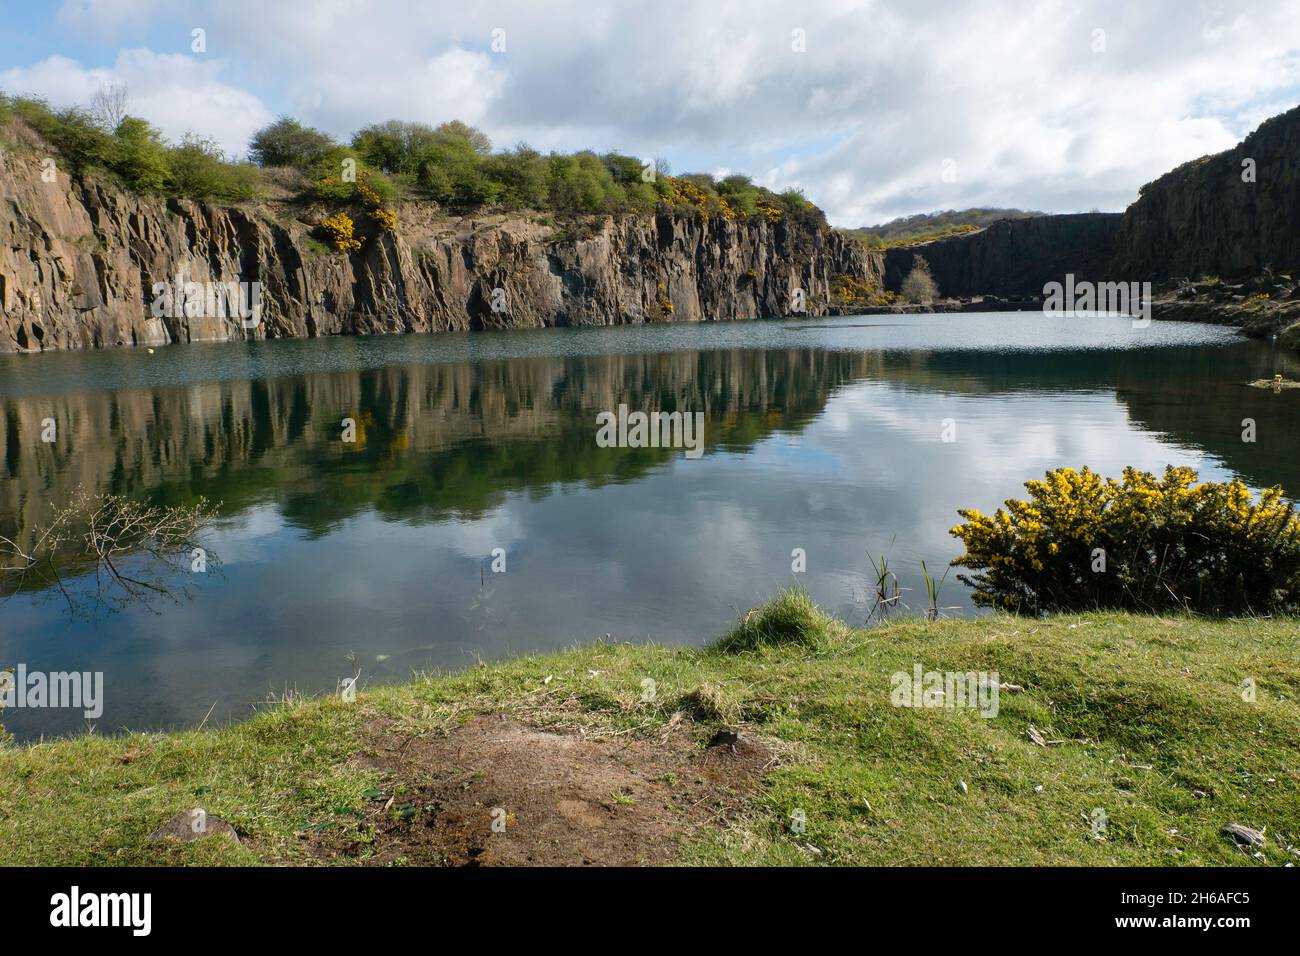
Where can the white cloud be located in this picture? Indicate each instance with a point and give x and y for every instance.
(456, 84)
(1012, 92)
(174, 92)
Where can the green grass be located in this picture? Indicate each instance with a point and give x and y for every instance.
(791, 619)
(1172, 751)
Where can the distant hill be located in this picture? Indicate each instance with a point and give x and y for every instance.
(934, 225)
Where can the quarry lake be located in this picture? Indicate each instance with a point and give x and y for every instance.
(823, 435)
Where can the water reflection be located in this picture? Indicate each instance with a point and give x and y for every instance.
(431, 442)
(378, 547)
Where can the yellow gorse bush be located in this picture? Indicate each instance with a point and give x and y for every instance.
(680, 195)
(1142, 543)
(851, 290)
(339, 228)
(385, 218)
(381, 214)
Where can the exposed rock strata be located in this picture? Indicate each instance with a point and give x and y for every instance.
(1234, 216)
(79, 260)
(1206, 219)
(1013, 257)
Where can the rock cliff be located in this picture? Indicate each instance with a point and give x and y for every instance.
(1233, 215)
(1230, 215)
(1013, 257)
(79, 261)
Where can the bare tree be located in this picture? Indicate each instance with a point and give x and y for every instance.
(109, 105)
(919, 286)
(107, 551)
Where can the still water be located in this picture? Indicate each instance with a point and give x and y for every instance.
(822, 435)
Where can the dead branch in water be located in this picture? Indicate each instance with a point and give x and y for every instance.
(104, 551)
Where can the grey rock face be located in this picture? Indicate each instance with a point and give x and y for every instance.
(1235, 214)
(1206, 219)
(79, 263)
(1013, 257)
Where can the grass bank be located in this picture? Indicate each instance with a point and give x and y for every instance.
(1145, 720)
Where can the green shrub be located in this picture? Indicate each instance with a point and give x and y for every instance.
(449, 164)
(79, 142)
(582, 183)
(286, 142)
(524, 175)
(139, 156)
(741, 194)
(198, 170)
(789, 619)
(456, 130)
(801, 212)
(395, 146)
(452, 164)
(1144, 543)
(450, 171)
(327, 175)
(330, 181)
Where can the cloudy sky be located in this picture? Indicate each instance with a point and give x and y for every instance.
(877, 108)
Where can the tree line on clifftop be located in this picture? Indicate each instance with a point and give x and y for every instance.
(452, 164)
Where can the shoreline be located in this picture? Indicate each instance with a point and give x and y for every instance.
(1251, 323)
(792, 711)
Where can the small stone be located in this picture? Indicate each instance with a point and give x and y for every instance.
(182, 827)
(1244, 836)
(962, 785)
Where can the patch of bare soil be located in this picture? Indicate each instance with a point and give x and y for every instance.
(497, 792)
